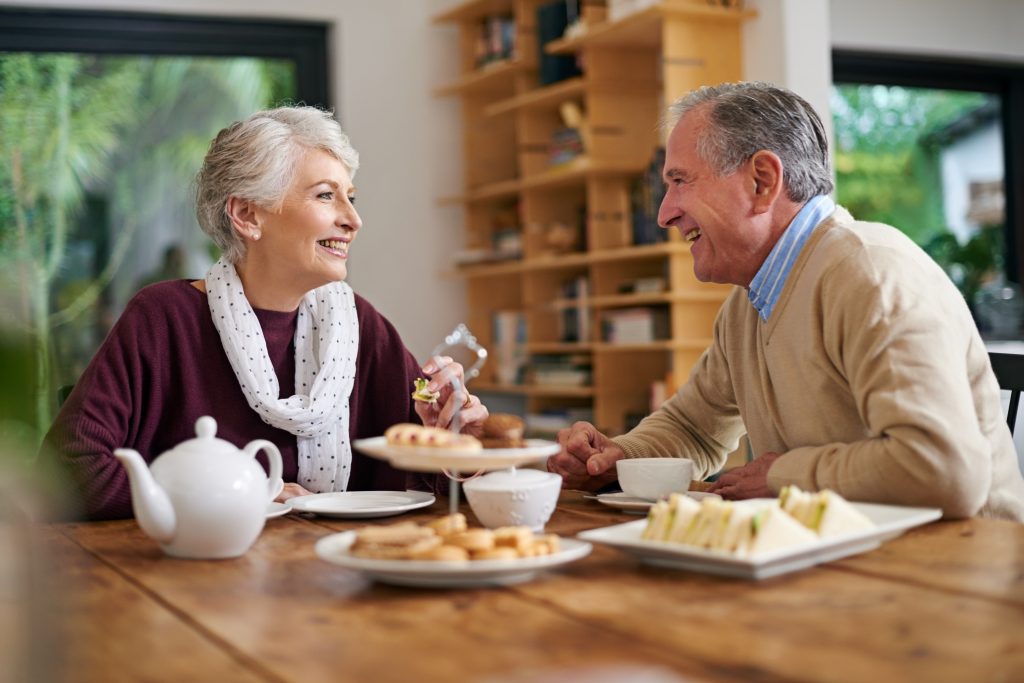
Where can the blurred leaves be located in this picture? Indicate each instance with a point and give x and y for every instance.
(972, 264)
(120, 127)
(887, 157)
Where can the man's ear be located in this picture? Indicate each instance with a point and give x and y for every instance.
(766, 178)
(243, 216)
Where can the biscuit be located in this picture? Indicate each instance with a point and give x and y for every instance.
(447, 539)
(396, 552)
(449, 524)
(517, 537)
(393, 534)
(472, 540)
(496, 554)
(444, 553)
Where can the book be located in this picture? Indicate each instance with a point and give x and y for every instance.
(646, 194)
(509, 350)
(574, 321)
(640, 325)
(552, 20)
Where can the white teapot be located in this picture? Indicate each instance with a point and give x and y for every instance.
(204, 498)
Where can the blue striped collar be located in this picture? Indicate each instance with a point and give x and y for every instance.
(767, 285)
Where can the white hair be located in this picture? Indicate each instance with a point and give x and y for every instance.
(255, 159)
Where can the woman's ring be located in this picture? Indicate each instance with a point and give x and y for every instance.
(468, 402)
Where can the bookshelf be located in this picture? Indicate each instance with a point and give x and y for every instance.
(575, 219)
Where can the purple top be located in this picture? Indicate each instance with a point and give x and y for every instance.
(163, 366)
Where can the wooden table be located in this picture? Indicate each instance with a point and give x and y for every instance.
(945, 602)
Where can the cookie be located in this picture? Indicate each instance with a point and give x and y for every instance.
(449, 524)
(444, 553)
(473, 540)
(496, 554)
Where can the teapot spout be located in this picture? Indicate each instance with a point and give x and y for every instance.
(152, 506)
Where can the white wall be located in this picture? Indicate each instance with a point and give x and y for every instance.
(975, 158)
(385, 59)
(984, 29)
(788, 45)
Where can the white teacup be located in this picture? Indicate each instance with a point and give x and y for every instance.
(652, 478)
(514, 497)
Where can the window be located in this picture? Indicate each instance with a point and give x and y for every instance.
(104, 120)
(936, 148)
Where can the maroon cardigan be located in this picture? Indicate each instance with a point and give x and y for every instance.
(163, 366)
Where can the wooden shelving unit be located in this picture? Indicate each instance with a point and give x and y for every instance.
(632, 69)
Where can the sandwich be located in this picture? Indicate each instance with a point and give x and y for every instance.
(772, 528)
(421, 393)
(826, 513)
(725, 527)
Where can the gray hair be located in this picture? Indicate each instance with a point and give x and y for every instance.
(745, 118)
(255, 159)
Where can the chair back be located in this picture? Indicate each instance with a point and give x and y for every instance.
(1009, 369)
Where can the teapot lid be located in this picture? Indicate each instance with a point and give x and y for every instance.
(511, 478)
(206, 440)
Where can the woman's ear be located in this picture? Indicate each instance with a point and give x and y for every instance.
(766, 176)
(243, 217)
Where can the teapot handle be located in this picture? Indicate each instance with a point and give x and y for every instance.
(274, 481)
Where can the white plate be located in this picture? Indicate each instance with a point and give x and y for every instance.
(632, 504)
(890, 521)
(359, 504)
(426, 574)
(421, 459)
(278, 509)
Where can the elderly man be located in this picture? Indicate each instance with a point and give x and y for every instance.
(845, 353)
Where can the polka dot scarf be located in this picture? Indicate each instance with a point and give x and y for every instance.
(326, 344)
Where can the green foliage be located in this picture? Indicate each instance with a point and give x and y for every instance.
(887, 167)
(125, 127)
(971, 264)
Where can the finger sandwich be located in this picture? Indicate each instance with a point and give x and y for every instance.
(825, 512)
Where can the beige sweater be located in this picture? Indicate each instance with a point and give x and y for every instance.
(869, 377)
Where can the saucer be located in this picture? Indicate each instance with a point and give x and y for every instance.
(278, 509)
(627, 503)
(361, 504)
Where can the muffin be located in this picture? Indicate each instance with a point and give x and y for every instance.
(502, 430)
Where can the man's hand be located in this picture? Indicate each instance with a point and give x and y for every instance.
(749, 481)
(588, 457)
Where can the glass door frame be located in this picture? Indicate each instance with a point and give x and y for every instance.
(101, 32)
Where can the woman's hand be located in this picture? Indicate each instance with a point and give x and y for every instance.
(453, 403)
(291, 490)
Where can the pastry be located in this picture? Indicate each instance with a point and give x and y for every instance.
(414, 435)
(502, 430)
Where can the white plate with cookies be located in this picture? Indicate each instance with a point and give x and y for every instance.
(431, 556)
(434, 459)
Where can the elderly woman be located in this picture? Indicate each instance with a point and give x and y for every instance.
(273, 343)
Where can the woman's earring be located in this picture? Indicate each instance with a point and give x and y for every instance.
(256, 234)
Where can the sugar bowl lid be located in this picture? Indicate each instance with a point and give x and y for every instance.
(511, 478)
